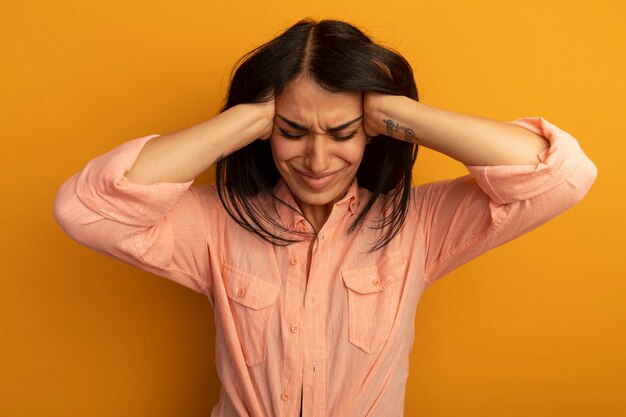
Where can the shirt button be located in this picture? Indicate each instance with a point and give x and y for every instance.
(376, 282)
(284, 397)
(303, 228)
(241, 292)
(293, 261)
(295, 328)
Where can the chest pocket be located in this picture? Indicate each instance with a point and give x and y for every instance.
(251, 302)
(373, 300)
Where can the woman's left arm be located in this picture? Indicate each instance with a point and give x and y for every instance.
(521, 174)
(469, 139)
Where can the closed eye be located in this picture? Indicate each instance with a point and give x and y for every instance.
(350, 136)
(288, 135)
(291, 136)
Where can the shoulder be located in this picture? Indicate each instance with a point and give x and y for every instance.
(206, 196)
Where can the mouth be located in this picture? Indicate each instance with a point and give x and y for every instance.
(317, 181)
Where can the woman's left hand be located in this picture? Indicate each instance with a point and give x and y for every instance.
(371, 122)
(379, 118)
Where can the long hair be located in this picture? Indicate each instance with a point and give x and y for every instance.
(339, 57)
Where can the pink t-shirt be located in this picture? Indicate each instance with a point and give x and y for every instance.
(341, 341)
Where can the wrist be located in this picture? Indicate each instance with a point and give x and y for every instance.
(391, 116)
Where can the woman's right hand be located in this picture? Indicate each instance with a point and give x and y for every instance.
(268, 110)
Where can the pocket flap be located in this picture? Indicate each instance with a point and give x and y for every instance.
(249, 290)
(375, 278)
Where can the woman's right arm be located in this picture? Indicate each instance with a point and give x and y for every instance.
(183, 155)
(136, 203)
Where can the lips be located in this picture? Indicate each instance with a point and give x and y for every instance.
(317, 181)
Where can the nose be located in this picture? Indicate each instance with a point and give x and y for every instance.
(317, 154)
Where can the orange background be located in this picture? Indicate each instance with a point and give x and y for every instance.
(533, 328)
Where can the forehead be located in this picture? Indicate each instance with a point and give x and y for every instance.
(306, 101)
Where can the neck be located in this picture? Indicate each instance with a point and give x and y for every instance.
(316, 215)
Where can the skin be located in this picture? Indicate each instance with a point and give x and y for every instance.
(471, 140)
(304, 154)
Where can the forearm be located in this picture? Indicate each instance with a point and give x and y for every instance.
(469, 139)
(183, 155)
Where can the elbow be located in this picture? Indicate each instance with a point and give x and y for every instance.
(583, 179)
(71, 214)
(61, 208)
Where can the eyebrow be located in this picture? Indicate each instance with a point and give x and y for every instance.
(330, 129)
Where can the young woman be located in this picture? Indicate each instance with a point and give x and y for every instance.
(313, 247)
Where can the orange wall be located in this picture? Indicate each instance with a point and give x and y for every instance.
(534, 328)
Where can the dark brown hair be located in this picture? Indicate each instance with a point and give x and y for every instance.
(339, 57)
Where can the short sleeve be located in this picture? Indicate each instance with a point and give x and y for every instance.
(161, 228)
(465, 217)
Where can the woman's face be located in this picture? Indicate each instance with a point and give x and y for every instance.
(317, 141)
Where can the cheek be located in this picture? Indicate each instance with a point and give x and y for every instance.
(287, 150)
(354, 153)
(282, 150)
